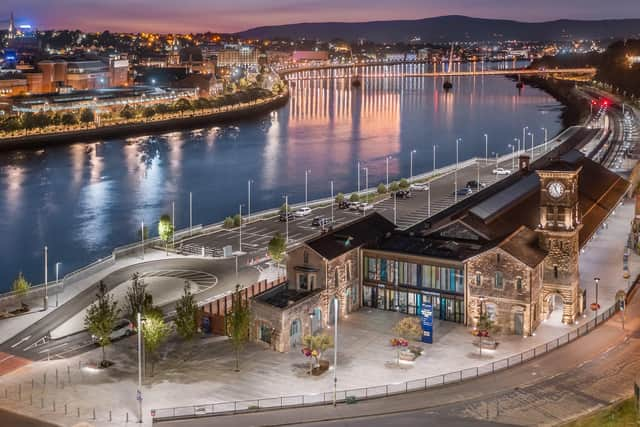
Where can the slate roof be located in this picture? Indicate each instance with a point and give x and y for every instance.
(523, 245)
(363, 231)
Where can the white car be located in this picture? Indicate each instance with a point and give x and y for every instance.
(122, 328)
(419, 187)
(303, 211)
(501, 171)
(365, 207)
(354, 206)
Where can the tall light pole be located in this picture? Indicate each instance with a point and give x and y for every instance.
(434, 158)
(173, 224)
(335, 350)
(139, 392)
(142, 237)
(531, 135)
(332, 203)
(366, 182)
(597, 280)
(411, 165)
(546, 138)
(286, 215)
(395, 208)
(57, 271)
(513, 157)
(358, 178)
(249, 200)
(524, 132)
(455, 180)
(486, 148)
(46, 279)
(190, 213)
(306, 187)
(387, 159)
(518, 141)
(429, 201)
(240, 234)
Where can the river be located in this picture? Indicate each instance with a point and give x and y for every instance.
(84, 199)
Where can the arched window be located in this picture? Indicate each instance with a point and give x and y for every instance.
(336, 278)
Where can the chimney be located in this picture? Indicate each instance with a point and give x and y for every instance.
(523, 162)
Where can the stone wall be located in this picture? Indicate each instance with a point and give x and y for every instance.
(508, 300)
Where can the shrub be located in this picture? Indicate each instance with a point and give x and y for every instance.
(228, 222)
(382, 188)
(355, 197)
(394, 186)
(404, 183)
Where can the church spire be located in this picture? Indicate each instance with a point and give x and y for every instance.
(12, 27)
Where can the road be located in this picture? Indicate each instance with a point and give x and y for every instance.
(11, 419)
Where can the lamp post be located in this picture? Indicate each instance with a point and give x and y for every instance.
(142, 237)
(455, 179)
(57, 271)
(366, 183)
(524, 132)
(306, 187)
(546, 138)
(395, 208)
(173, 224)
(240, 231)
(486, 148)
(286, 215)
(429, 200)
(434, 158)
(513, 156)
(335, 350)
(46, 277)
(358, 178)
(139, 392)
(531, 135)
(387, 160)
(597, 280)
(411, 165)
(249, 200)
(517, 140)
(190, 213)
(332, 203)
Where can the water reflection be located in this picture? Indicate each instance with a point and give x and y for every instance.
(83, 199)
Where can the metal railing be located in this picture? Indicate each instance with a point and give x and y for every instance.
(372, 392)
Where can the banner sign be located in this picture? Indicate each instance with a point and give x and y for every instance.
(427, 323)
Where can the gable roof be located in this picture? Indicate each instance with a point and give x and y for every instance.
(523, 245)
(355, 234)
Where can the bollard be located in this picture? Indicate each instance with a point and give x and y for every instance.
(54, 405)
(56, 376)
(65, 409)
(94, 413)
(44, 378)
(33, 383)
(109, 415)
(126, 417)
(78, 412)
(69, 374)
(42, 403)
(19, 391)
(31, 399)
(6, 394)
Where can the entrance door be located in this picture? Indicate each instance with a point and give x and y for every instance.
(518, 323)
(265, 334)
(316, 321)
(295, 338)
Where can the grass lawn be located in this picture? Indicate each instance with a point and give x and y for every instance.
(623, 414)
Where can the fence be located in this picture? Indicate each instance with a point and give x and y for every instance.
(325, 398)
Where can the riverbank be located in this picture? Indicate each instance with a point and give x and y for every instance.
(190, 120)
(575, 111)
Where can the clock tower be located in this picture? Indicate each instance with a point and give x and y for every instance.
(558, 230)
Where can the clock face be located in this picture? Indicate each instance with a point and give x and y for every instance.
(555, 189)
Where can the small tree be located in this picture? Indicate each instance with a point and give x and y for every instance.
(20, 286)
(409, 328)
(101, 318)
(355, 197)
(484, 328)
(165, 230)
(339, 198)
(148, 112)
(277, 249)
(137, 299)
(236, 220)
(154, 332)
(284, 208)
(382, 188)
(127, 112)
(394, 186)
(69, 119)
(182, 105)
(187, 314)
(87, 116)
(228, 222)
(404, 184)
(315, 345)
(238, 324)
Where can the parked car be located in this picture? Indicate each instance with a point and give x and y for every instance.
(419, 186)
(404, 194)
(465, 191)
(501, 171)
(303, 212)
(343, 205)
(122, 328)
(353, 206)
(317, 221)
(284, 216)
(364, 207)
(475, 185)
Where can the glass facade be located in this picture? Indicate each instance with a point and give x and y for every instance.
(404, 287)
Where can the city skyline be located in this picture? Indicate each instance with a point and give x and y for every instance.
(201, 16)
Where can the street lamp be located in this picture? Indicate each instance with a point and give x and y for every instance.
(597, 280)
(286, 215)
(518, 141)
(46, 290)
(190, 213)
(173, 224)
(240, 231)
(513, 156)
(486, 148)
(139, 392)
(142, 237)
(366, 183)
(335, 350)
(249, 199)
(411, 165)
(387, 160)
(434, 158)
(306, 186)
(57, 271)
(455, 181)
(531, 135)
(546, 138)
(358, 178)
(332, 203)
(524, 131)
(429, 201)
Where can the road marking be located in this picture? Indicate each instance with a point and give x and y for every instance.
(48, 350)
(21, 341)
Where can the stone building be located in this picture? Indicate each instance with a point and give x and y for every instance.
(319, 271)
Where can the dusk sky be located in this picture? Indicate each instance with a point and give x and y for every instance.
(237, 15)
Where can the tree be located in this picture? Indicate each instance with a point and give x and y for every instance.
(409, 328)
(101, 318)
(284, 208)
(29, 121)
(316, 345)
(154, 332)
(339, 198)
(165, 230)
(404, 184)
(182, 105)
(11, 124)
(86, 115)
(137, 300)
(127, 112)
(394, 186)
(149, 112)
(187, 314)
(382, 188)
(355, 197)
(277, 249)
(163, 108)
(484, 328)
(236, 220)
(228, 222)
(69, 119)
(20, 286)
(238, 324)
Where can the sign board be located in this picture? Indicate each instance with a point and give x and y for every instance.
(427, 323)
(227, 251)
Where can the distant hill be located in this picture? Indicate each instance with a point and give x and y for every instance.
(451, 28)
